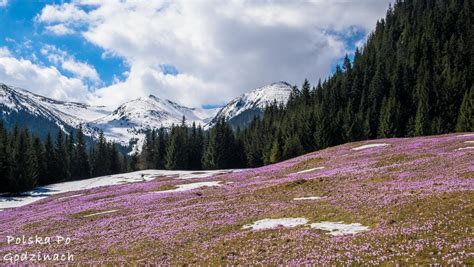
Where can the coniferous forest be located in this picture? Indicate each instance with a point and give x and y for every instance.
(27, 161)
(413, 77)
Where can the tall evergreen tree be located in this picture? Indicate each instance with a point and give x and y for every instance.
(220, 149)
(39, 151)
(160, 149)
(60, 157)
(465, 122)
(50, 158)
(176, 149)
(389, 114)
(82, 168)
(4, 159)
(24, 173)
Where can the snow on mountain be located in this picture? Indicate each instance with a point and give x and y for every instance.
(21, 106)
(244, 108)
(128, 123)
(132, 119)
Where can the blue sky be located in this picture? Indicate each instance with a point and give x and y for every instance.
(23, 36)
(197, 53)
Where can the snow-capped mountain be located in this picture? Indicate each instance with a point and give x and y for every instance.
(128, 123)
(241, 110)
(42, 114)
(132, 119)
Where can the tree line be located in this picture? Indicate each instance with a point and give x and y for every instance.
(191, 148)
(27, 161)
(413, 77)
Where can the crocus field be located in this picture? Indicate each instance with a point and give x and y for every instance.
(401, 201)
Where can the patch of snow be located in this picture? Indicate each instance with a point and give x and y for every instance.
(275, 223)
(310, 170)
(132, 177)
(308, 198)
(100, 213)
(466, 148)
(467, 135)
(340, 228)
(469, 142)
(201, 174)
(369, 146)
(191, 186)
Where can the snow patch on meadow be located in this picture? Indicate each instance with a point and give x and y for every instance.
(469, 142)
(466, 148)
(467, 135)
(334, 228)
(275, 223)
(310, 170)
(308, 198)
(132, 177)
(191, 186)
(99, 213)
(370, 146)
(340, 228)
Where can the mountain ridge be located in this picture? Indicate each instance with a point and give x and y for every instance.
(127, 123)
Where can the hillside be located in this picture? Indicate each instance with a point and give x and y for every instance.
(405, 200)
(413, 77)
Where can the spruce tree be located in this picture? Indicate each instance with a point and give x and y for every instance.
(4, 159)
(388, 124)
(60, 156)
(70, 153)
(275, 152)
(465, 122)
(221, 147)
(24, 174)
(82, 168)
(114, 159)
(160, 149)
(176, 149)
(50, 158)
(39, 151)
(422, 118)
(292, 147)
(101, 163)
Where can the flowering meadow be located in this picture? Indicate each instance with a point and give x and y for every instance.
(410, 200)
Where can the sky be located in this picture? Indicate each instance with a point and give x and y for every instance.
(198, 53)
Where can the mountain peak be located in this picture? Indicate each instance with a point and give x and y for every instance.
(281, 83)
(242, 109)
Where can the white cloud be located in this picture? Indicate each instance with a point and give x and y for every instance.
(59, 29)
(221, 48)
(66, 12)
(3, 3)
(4, 52)
(67, 62)
(47, 81)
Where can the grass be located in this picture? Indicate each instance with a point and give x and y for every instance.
(418, 205)
(307, 164)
